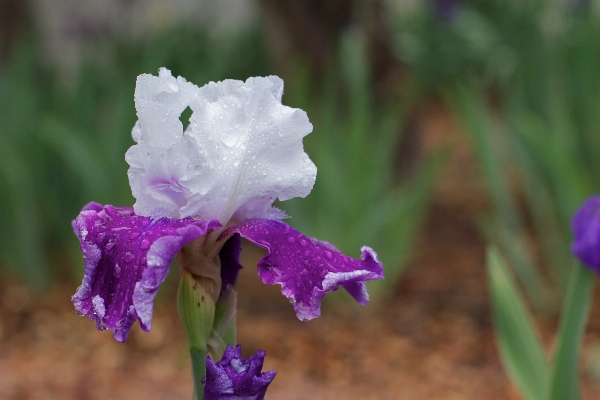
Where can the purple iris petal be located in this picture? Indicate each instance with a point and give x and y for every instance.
(126, 258)
(230, 261)
(586, 231)
(234, 378)
(306, 268)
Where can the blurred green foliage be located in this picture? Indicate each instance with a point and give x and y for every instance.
(532, 118)
(522, 77)
(545, 132)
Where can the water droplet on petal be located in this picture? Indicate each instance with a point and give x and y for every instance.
(303, 242)
(291, 239)
(100, 237)
(145, 244)
(110, 245)
(134, 235)
(129, 257)
(329, 255)
(305, 181)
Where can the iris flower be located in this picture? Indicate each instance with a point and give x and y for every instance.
(198, 191)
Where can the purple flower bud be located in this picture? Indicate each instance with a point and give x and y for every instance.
(586, 232)
(234, 378)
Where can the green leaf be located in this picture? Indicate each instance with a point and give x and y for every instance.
(469, 107)
(564, 384)
(519, 344)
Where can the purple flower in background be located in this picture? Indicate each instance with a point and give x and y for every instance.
(586, 231)
(213, 183)
(234, 378)
(446, 10)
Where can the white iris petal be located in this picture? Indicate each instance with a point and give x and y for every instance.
(242, 149)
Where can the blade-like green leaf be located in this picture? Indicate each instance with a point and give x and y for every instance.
(564, 383)
(519, 344)
(469, 106)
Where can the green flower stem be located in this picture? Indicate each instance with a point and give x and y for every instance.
(564, 382)
(198, 371)
(196, 300)
(206, 317)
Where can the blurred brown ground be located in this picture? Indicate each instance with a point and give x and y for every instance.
(432, 340)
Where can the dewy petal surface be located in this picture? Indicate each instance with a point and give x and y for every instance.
(234, 378)
(241, 150)
(126, 258)
(307, 268)
(586, 231)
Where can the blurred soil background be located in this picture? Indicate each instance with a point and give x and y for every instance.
(439, 108)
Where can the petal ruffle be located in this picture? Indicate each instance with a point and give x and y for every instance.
(126, 258)
(586, 232)
(236, 378)
(307, 268)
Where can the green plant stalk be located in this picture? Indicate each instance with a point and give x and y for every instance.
(564, 382)
(519, 345)
(198, 371)
(196, 308)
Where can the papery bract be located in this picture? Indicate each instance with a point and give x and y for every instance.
(234, 378)
(586, 231)
(241, 150)
(126, 258)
